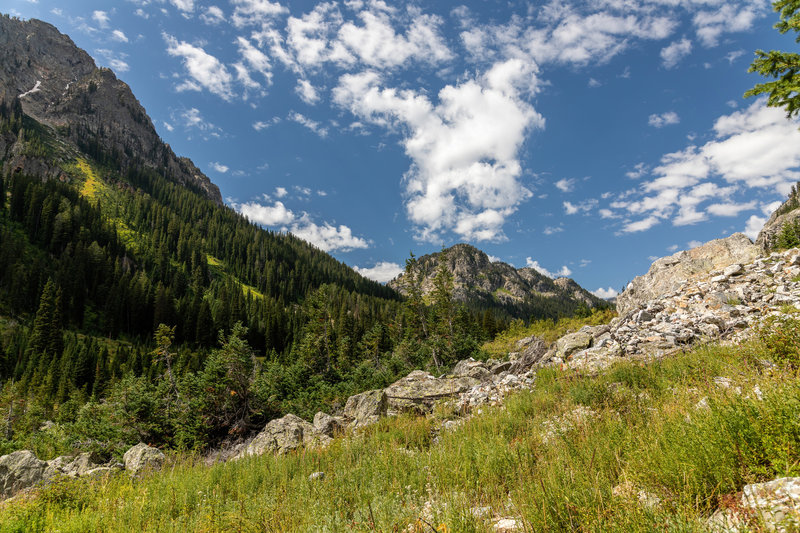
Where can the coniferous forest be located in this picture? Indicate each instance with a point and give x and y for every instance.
(133, 308)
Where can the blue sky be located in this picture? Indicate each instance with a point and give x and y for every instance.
(581, 138)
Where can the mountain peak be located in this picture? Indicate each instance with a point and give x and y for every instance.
(483, 284)
(59, 85)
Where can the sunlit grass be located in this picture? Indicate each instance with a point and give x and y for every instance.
(219, 268)
(533, 459)
(549, 330)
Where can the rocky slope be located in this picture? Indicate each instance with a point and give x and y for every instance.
(59, 85)
(716, 292)
(479, 282)
(787, 213)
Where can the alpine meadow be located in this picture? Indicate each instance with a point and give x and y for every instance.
(181, 354)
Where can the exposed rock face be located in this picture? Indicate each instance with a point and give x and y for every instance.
(788, 212)
(533, 351)
(18, 471)
(669, 273)
(143, 457)
(82, 465)
(328, 425)
(775, 504)
(60, 86)
(722, 305)
(280, 436)
(365, 408)
(419, 391)
(22, 470)
(478, 280)
(573, 342)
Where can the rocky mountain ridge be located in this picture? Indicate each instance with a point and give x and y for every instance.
(59, 86)
(480, 282)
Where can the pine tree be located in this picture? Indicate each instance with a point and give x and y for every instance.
(789, 236)
(164, 338)
(2, 193)
(46, 341)
(443, 312)
(101, 376)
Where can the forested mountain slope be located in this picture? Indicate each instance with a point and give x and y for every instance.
(498, 288)
(135, 306)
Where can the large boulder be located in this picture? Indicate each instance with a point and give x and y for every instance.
(325, 424)
(280, 436)
(472, 369)
(533, 352)
(365, 408)
(573, 342)
(142, 457)
(20, 470)
(77, 466)
(666, 275)
(419, 390)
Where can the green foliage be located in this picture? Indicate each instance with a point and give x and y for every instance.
(548, 330)
(781, 337)
(642, 431)
(789, 236)
(784, 67)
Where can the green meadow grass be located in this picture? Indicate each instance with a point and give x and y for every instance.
(642, 428)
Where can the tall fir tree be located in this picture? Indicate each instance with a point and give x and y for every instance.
(46, 341)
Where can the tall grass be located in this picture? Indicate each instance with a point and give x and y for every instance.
(550, 457)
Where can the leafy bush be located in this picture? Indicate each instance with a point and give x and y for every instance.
(780, 335)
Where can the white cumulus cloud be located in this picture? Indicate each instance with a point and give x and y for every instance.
(605, 294)
(562, 272)
(465, 172)
(307, 92)
(664, 119)
(186, 6)
(219, 167)
(255, 12)
(753, 149)
(671, 55)
(276, 214)
(754, 225)
(565, 184)
(312, 125)
(328, 237)
(212, 16)
(119, 35)
(101, 17)
(382, 272)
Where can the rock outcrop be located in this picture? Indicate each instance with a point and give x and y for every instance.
(419, 391)
(283, 435)
(142, 457)
(22, 470)
(330, 426)
(669, 273)
(775, 505)
(18, 471)
(365, 408)
(786, 213)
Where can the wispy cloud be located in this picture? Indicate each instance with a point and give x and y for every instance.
(664, 119)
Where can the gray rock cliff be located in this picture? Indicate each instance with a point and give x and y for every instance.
(60, 86)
